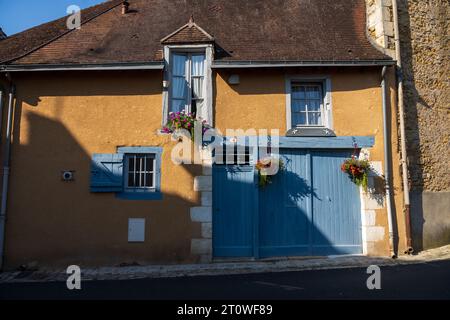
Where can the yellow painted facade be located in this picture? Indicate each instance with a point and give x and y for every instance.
(62, 118)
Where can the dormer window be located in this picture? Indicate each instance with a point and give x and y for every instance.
(188, 54)
(188, 82)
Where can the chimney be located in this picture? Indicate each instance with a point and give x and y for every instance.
(2, 34)
(125, 6)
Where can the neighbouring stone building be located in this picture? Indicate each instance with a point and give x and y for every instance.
(424, 34)
(425, 47)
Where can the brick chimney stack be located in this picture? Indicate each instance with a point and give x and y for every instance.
(2, 34)
(125, 7)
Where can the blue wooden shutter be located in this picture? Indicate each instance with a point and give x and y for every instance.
(107, 173)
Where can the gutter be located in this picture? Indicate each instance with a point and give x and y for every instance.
(401, 111)
(156, 65)
(2, 215)
(83, 67)
(1, 112)
(277, 64)
(387, 168)
(6, 170)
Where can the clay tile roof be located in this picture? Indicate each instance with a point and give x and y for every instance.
(25, 42)
(243, 30)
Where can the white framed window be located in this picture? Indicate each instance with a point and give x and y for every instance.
(308, 102)
(188, 80)
(187, 87)
(307, 105)
(140, 173)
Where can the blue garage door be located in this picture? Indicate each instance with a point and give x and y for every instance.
(234, 201)
(311, 208)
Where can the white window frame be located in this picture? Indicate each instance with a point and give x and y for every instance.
(206, 112)
(325, 81)
(128, 188)
(188, 77)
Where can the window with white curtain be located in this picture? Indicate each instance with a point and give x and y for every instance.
(187, 83)
(307, 104)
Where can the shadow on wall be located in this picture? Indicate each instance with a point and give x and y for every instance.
(53, 222)
(412, 100)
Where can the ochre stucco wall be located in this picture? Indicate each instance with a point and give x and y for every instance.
(61, 119)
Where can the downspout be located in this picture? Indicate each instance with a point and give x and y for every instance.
(403, 160)
(6, 157)
(387, 168)
(1, 112)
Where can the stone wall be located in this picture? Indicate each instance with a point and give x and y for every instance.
(380, 24)
(424, 35)
(202, 246)
(424, 29)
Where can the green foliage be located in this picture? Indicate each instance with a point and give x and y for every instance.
(263, 165)
(358, 171)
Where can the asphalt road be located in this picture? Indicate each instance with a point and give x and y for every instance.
(419, 281)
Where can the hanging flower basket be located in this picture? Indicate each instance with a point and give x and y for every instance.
(265, 167)
(184, 121)
(357, 170)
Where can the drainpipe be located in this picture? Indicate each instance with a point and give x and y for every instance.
(403, 160)
(1, 112)
(386, 166)
(6, 157)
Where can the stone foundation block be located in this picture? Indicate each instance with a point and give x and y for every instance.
(201, 246)
(201, 214)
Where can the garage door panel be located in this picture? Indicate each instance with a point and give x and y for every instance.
(284, 227)
(336, 250)
(234, 190)
(336, 206)
(284, 216)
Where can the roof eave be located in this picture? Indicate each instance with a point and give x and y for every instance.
(277, 64)
(157, 65)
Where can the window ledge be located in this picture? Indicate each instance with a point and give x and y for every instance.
(139, 196)
(159, 132)
(310, 131)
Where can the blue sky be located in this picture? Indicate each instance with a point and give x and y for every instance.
(19, 15)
